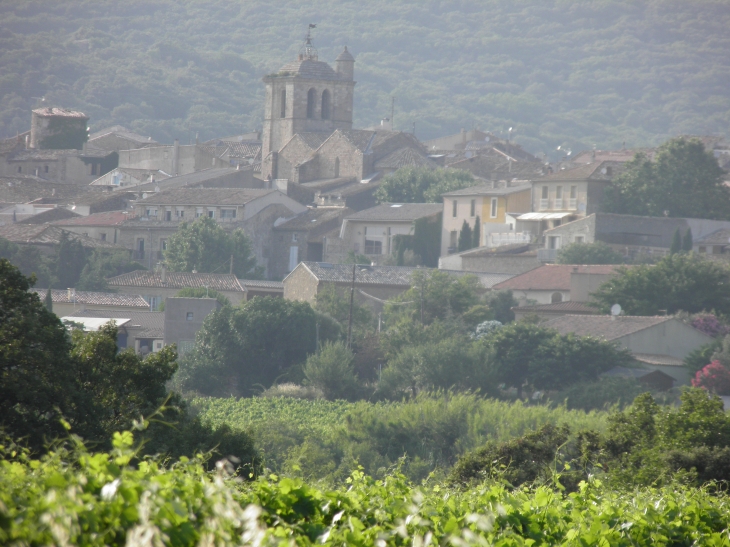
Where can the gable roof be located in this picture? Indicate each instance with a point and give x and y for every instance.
(607, 327)
(399, 276)
(93, 298)
(569, 307)
(487, 190)
(397, 212)
(177, 280)
(46, 234)
(49, 216)
(312, 218)
(22, 189)
(582, 172)
(205, 196)
(551, 277)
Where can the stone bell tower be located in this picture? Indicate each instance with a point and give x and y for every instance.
(305, 96)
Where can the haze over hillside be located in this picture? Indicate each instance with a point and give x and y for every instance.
(598, 72)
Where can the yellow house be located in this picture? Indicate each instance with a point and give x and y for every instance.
(491, 204)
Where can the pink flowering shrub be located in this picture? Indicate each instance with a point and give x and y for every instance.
(714, 377)
(710, 325)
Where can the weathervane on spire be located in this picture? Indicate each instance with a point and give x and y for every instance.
(307, 51)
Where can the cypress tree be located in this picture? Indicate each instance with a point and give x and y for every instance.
(476, 238)
(687, 241)
(465, 237)
(49, 301)
(676, 243)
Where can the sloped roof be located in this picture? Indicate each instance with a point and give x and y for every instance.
(123, 132)
(364, 275)
(56, 111)
(568, 307)
(487, 190)
(719, 237)
(25, 189)
(193, 179)
(582, 172)
(402, 212)
(205, 196)
(46, 234)
(312, 218)
(607, 327)
(551, 277)
(152, 323)
(261, 284)
(94, 298)
(110, 218)
(359, 138)
(308, 68)
(177, 280)
(404, 157)
(313, 139)
(54, 154)
(50, 216)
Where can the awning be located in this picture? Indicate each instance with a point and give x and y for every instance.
(662, 360)
(544, 216)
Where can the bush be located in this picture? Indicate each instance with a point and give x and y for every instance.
(331, 372)
(599, 395)
(714, 377)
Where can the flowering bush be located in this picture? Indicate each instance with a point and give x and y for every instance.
(714, 378)
(709, 324)
(486, 328)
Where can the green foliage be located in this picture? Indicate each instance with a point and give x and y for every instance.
(200, 292)
(331, 371)
(421, 184)
(676, 245)
(425, 243)
(687, 241)
(329, 301)
(589, 253)
(70, 262)
(65, 134)
(677, 282)
(205, 246)
(684, 180)
(476, 235)
(465, 237)
(353, 258)
(104, 263)
(501, 304)
(31, 262)
(48, 301)
(239, 348)
(600, 394)
(702, 356)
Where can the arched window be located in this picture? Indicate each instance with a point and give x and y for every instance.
(311, 102)
(283, 104)
(337, 167)
(556, 297)
(325, 105)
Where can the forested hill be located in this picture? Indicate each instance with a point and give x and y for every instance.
(560, 72)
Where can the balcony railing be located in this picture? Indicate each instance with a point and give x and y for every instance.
(573, 203)
(507, 238)
(543, 204)
(558, 203)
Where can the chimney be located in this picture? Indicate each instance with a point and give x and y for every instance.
(176, 157)
(164, 273)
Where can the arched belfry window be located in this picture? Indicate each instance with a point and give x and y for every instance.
(282, 113)
(325, 105)
(311, 102)
(337, 167)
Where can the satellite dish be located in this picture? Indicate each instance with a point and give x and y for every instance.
(615, 309)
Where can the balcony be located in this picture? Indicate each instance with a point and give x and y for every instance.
(543, 204)
(573, 203)
(558, 203)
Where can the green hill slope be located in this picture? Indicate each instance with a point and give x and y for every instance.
(559, 72)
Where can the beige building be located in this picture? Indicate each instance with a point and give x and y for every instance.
(496, 205)
(70, 301)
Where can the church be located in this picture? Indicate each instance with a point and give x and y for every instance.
(309, 146)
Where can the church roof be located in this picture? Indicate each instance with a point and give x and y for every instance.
(307, 68)
(404, 157)
(345, 56)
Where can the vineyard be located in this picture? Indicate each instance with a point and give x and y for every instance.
(80, 498)
(329, 440)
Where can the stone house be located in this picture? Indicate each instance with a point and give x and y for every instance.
(658, 343)
(156, 286)
(373, 284)
(70, 301)
(102, 226)
(494, 204)
(634, 236)
(141, 331)
(567, 195)
(184, 318)
(551, 283)
(303, 238)
(118, 138)
(372, 232)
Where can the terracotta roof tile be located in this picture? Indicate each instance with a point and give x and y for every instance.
(110, 218)
(177, 280)
(403, 212)
(606, 327)
(404, 157)
(551, 277)
(205, 196)
(94, 298)
(46, 234)
(364, 275)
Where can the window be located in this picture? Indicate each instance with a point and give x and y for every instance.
(282, 112)
(453, 209)
(152, 212)
(189, 316)
(228, 213)
(573, 194)
(544, 198)
(163, 244)
(311, 99)
(180, 212)
(102, 237)
(553, 242)
(155, 302)
(559, 197)
(45, 168)
(544, 192)
(211, 214)
(493, 211)
(609, 171)
(337, 167)
(556, 297)
(373, 247)
(198, 212)
(140, 245)
(185, 346)
(294, 236)
(325, 105)
(473, 209)
(168, 215)
(579, 239)
(20, 168)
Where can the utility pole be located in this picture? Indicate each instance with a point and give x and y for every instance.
(352, 303)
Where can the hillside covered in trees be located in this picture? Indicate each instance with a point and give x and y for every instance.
(563, 73)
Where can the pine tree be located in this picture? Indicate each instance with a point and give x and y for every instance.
(465, 237)
(676, 243)
(476, 238)
(687, 242)
(49, 301)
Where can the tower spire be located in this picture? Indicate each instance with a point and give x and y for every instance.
(308, 52)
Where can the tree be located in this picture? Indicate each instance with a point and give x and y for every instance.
(476, 236)
(200, 292)
(30, 261)
(206, 247)
(465, 237)
(676, 245)
(501, 304)
(331, 371)
(70, 262)
(425, 242)
(687, 242)
(337, 306)
(714, 377)
(48, 302)
(421, 185)
(677, 282)
(105, 263)
(589, 253)
(253, 344)
(684, 180)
